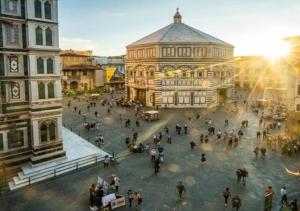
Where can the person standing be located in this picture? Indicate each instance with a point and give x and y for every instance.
(226, 195)
(137, 200)
(92, 196)
(106, 161)
(283, 193)
(185, 129)
(169, 140)
(180, 188)
(130, 195)
(116, 183)
(236, 203)
(239, 175)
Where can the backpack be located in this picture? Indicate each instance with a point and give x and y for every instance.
(140, 200)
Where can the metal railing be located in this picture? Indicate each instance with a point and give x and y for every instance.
(53, 171)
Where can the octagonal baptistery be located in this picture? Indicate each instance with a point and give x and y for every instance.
(180, 67)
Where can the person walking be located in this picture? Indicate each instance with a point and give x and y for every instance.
(238, 175)
(106, 161)
(156, 165)
(226, 195)
(180, 189)
(236, 203)
(193, 144)
(283, 194)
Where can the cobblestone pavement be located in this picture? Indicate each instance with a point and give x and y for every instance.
(204, 182)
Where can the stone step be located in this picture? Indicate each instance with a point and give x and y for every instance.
(22, 179)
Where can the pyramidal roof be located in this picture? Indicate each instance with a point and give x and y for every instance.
(178, 32)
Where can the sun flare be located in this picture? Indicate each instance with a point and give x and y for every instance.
(275, 49)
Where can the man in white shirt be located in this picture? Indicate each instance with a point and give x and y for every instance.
(283, 193)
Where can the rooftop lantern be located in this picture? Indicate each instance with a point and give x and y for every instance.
(177, 17)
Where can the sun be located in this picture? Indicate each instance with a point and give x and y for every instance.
(275, 49)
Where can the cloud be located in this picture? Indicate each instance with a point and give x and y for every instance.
(76, 44)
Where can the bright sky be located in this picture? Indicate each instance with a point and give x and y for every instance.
(108, 26)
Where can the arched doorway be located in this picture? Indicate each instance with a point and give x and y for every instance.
(74, 85)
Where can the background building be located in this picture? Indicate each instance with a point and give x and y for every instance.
(257, 72)
(179, 66)
(30, 107)
(114, 71)
(79, 71)
(292, 64)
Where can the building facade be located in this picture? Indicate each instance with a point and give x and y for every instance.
(30, 107)
(258, 72)
(114, 71)
(79, 72)
(292, 63)
(179, 66)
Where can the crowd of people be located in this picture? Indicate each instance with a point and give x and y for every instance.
(230, 134)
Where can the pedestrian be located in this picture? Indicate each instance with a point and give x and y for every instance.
(203, 158)
(238, 175)
(156, 165)
(116, 183)
(226, 195)
(283, 194)
(185, 129)
(201, 138)
(263, 151)
(130, 195)
(193, 144)
(294, 205)
(93, 197)
(106, 161)
(169, 140)
(101, 139)
(137, 200)
(180, 188)
(256, 151)
(244, 174)
(258, 134)
(236, 203)
(153, 154)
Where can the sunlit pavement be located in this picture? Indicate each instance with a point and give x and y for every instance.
(204, 182)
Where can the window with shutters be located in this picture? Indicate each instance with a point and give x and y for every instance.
(50, 90)
(40, 65)
(50, 66)
(47, 8)
(41, 91)
(48, 37)
(39, 36)
(37, 9)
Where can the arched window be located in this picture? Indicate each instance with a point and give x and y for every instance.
(41, 90)
(48, 37)
(43, 133)
(39, 36)
(40, 65)
(37, 9)
(51, 90)
(50, 66)
(52, 131)
(47, 8)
